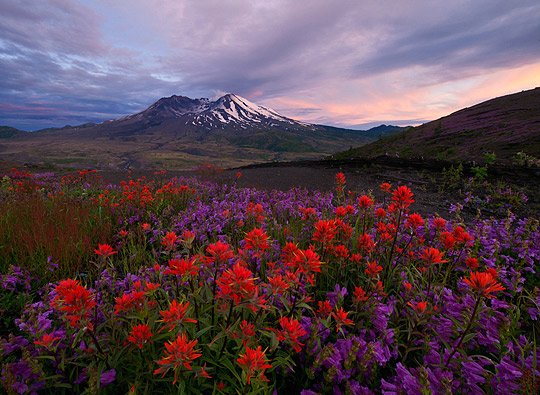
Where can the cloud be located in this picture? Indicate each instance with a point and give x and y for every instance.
(343, 63)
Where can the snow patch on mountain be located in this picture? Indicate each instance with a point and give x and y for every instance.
(228, 109)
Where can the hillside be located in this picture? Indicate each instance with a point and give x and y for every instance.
(504, 125)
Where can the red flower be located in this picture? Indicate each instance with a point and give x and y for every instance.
(373, 269)
(414, 221)
(324, 308)
(432, 256)
(290, 331)
(237, 284)
(307, 212)
(360, 295)
(472, 263)
(47, 340)
(365, 201)
(461, 235)
(146, 227)
(74, 300)
(439, 223)
(365, 244)
(278, 284)
(129, 301)
(340, 180)
(402, 197)
(419, 307)
(341, 211)
(407, 285)
(105, 250)
(187, 237)
(306, 261)
(179, 353)
(169, 240)
(254, 362)
(218, 252)
(140, 335)
(341, 318)
(483, 283)
(340, 251)
(385, 187)
(247, 331)
(380, 212)
(325, 231)
(176, 314)
(448, 240)
(182, 267)
(288, 252)
(257, 240)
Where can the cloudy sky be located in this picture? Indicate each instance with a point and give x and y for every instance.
(354, 63)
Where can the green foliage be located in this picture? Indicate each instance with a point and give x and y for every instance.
(489, 158)
(523, 159)
(452, 178)
(480, 173)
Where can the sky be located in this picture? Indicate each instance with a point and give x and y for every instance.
(348, 63)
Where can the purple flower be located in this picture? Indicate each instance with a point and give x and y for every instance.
(107, 377)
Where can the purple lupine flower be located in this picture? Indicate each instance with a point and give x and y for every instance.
(107, 377)
(473, 374)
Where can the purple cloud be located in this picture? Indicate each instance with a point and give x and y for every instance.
(344, 63)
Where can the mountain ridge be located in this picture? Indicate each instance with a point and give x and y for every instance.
(179, 132)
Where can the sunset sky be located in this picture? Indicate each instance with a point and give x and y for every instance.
(347, 63)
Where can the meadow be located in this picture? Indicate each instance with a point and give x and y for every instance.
(179, 285)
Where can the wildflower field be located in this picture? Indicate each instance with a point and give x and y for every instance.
(184, 286)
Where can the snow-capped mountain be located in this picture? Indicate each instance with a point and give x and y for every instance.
(228, 111)
(179, 131)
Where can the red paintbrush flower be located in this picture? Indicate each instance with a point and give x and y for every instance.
(257, 240)
(365, 244)
(472, 263)
(373, 269)
(365, 201)
(385, 187)
(74, 300)
(324, 308)
(325, 231)
(402, 197)
(306, 261)
(175, 315)
(169, 240)
(414, 221)
(218, 253)
(46, 340)
(237, 284)
(419, 307)
(360, 295)
(179, 353)
(128, 301)
(254, 363)
(341, 318)
(432, 256)
(483, 283)
(182, 267)
(290, 331)
(140, 335)
(105, 250)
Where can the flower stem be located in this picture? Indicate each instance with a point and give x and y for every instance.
(469, 324)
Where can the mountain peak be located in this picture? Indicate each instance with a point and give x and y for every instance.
(229, 109)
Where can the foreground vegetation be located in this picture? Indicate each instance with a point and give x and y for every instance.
(183, 286)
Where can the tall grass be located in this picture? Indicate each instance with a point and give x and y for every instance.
(35, 227)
